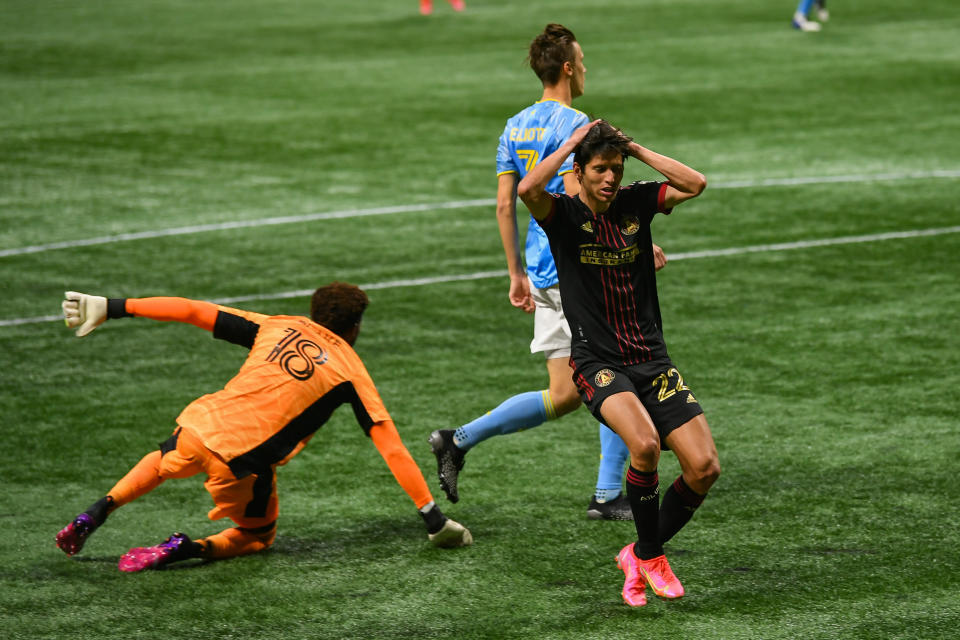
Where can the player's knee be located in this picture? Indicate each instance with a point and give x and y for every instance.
(704, 475)
(644, 453)
(563, 393)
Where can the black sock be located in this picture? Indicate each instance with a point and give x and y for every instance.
(434, 519)
(679, 503)
(191, 549)
(643, 491)
(100, 509)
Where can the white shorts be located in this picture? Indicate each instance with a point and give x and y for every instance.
(551, 333)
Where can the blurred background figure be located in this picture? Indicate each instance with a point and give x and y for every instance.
(800, 20)
(426, 6)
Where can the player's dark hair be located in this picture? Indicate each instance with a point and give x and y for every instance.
(550, 50)
(602, 138)
(338, 306)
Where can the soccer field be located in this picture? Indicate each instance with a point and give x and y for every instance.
(248, 152)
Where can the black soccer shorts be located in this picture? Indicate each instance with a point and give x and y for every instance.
(659, 386)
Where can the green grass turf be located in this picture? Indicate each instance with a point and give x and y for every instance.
(828, 374)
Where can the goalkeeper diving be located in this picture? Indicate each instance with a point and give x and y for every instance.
(298, 371)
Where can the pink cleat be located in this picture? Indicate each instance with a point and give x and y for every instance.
(458, 5)
(634, 587)
(70, 539)
(658, 573)
(426, 7)
(141, 558)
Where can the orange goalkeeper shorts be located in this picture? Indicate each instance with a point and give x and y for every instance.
(251, 502)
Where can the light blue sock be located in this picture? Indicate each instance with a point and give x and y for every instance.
(804, 6)
(613, 458)
(520, 412)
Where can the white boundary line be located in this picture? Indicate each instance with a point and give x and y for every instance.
(807, 244)
(480, 275)
(242, 224)
(457, 204)
(877, 177)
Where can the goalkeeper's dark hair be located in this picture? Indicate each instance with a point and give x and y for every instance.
(338, 306)
(602, 138)
(550, 50)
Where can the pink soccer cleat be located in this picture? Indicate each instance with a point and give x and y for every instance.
(156, 557)
(70, 539)
(634, 586)
(659, 575)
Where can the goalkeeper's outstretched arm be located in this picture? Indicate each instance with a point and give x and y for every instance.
(442, 531)
(85, 313)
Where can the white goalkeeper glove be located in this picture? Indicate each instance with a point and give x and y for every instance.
(83, 311)
(452, 534)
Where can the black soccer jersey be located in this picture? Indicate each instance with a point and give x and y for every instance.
(607, 277)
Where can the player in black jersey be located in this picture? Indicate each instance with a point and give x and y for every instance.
(600, 240)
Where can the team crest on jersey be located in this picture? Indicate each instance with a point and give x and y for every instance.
(604, 377)
(629, 225)
(587, 226)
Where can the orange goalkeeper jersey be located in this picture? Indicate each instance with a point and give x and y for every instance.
(297, 373)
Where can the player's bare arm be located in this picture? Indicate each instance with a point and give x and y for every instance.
(571, 185)
(533, 188)
(683, 182)
(510, 238)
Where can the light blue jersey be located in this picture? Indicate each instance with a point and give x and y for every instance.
(530, 136)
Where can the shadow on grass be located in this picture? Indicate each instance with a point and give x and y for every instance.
(112, 561)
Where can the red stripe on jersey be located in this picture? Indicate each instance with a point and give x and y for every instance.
(637, 341)
(611, 294)
(614, 281)
(661, 198)
(623, 333)
(620, 301)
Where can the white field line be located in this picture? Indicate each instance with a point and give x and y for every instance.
(480, 275)
(457, 204)
(876, 177)
(242, 224)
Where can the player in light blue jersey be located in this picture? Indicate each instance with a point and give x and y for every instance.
(801, 18)
(529, 136)
(535, 133)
